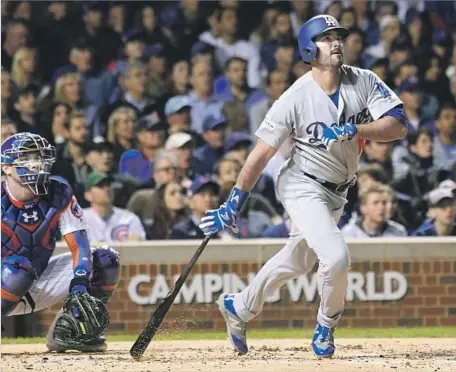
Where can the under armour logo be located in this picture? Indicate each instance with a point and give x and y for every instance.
(330, 21)
(27, 217)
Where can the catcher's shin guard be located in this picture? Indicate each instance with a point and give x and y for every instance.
(106, 273)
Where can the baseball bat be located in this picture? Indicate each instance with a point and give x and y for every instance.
(157, 317)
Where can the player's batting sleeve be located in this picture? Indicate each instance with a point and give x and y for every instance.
(278, 123)
(73, 229)
(380, 97)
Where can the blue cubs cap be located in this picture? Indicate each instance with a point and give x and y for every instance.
(155, 50)
(133, 35)
(176, 104)
(200, 47)
(409, 84)
(214, 121)
(150, 121)
(201, 182)
(235, 139)
(171, 16)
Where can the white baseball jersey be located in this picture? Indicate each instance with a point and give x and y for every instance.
(118, 227)
(305, 109)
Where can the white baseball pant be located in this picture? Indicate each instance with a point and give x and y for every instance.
(315, 212)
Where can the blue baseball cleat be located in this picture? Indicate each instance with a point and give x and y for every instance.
(323, 342)
(235, 327)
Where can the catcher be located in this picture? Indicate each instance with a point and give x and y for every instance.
(35, 206)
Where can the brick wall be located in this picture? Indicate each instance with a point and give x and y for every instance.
(430, 300)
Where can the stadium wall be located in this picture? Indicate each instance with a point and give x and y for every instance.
(392, 283)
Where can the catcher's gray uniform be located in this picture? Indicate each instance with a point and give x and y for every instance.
(302, 112)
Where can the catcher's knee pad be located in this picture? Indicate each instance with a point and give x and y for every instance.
(106, 272)
(18, 276)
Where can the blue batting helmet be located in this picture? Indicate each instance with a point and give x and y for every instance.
(32, 156)
(311, 29)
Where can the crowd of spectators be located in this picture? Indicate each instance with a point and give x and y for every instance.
(153, 106)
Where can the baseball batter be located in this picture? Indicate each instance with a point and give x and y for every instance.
(35, 207)
(329, 113)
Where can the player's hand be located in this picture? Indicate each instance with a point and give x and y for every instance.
(215, 220)
(338, 134)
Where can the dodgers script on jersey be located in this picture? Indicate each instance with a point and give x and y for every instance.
(305, 109)
(120, 226)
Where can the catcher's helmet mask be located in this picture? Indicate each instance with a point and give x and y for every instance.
(33, 157)
(313, 28)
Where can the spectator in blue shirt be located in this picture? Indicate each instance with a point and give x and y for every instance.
(281, 230)
(138, 163)
(445, 141)
(214, 128)
(201, 98)
(98, 83)
(236, 72)
(442, 211)
(203, 195)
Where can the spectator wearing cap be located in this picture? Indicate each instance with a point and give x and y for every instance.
(445, 141)
(71, 155)
(98, 83)
(412, 96)
(69, 89)
(100, 37)
(237, 146)
(138, 163)
(178, 35)
(201, 97)
(25, 112)
(203, 195)
(390, 28)
(106, 222)
(442, 213)
(100, 158)
(178, 114)
(133, 50)
(214, 128)
(16, 37)
(228, 45)
(373, 221)
(277, 83)
(202, 52)
(156, 57)
(188, 167)
(121, 131)
(239, 91)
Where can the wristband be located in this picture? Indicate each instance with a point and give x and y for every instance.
(237, 198)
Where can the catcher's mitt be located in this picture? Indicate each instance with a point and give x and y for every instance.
(84, 319)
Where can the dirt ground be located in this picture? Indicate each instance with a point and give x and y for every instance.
(373, 355)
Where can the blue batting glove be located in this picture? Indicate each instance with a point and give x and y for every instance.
(215, 220)
(338, 133)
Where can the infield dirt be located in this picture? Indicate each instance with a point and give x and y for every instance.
(373, 355)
